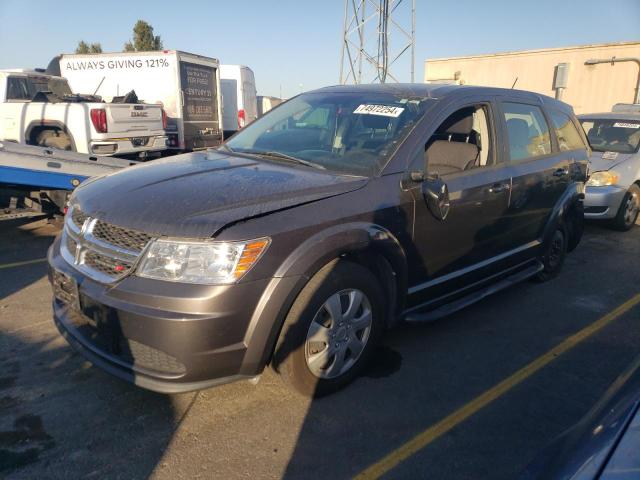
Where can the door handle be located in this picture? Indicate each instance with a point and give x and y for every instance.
(561, 172)
(498, 187)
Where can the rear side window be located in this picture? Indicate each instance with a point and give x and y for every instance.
(527, 130)
(566, 131)
(17, 89)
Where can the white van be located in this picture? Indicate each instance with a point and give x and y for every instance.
(239, 98)
(187, 85)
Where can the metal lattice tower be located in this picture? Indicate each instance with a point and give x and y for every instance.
(367, 54)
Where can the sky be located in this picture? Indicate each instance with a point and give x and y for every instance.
(296, 45)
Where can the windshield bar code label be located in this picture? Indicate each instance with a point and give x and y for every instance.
(383, 110)
(626, 125)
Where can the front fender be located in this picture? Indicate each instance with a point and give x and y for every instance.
(307, 259)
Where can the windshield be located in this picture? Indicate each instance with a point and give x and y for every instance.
(610, 135)
(59, 86)
(352, 133)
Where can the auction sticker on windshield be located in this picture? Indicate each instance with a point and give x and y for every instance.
(626, 125)
(384, 110)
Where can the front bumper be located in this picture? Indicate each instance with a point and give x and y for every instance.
(161, 336)
(603, 202)
(129, 145)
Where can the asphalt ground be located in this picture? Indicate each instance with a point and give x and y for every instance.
(472, 396)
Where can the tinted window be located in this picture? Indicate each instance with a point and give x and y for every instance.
(610, 135)
(17, 89)
(352, 133)
(566, 131)
(528, 131)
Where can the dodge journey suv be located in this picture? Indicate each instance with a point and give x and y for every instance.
(297, 243)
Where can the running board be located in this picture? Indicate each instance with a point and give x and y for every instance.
(474, 297)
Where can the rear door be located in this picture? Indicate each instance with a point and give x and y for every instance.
(478, 196)
(540, 172)
(200, 105)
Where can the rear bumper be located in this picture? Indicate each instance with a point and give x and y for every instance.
(129, 145)
(602, 202)
(166, 337)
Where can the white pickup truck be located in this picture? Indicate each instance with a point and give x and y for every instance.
(40, 109)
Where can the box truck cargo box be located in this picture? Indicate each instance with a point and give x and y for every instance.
(187, 86)
(239, 96)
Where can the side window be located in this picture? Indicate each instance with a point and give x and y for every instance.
(566, 131)
(17, 89)
(527, 130)
(462, 142)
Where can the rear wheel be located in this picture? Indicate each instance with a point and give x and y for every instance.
(555, 251)
(331, 329)
(54, 139)
(628, 211)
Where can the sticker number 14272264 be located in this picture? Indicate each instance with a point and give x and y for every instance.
(384, 110)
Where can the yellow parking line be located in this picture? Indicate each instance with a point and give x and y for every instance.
(424, 438)
(20, 264)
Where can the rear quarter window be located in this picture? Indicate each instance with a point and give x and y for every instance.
(569, 137)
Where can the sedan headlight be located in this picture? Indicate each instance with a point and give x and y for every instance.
(201, 262)
(603, 179)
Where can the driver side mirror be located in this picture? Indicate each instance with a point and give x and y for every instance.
(436, 195)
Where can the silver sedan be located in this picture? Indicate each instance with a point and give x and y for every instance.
(613, 189)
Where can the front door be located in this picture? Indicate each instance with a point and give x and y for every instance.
(461, 158)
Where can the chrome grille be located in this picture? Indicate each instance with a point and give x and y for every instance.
(105, 264)
(121, 237)
(71, 244)
(102, 251)
(78, 217)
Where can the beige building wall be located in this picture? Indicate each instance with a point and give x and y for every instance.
(590, 88)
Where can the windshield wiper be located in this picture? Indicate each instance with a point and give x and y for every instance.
(283, 156)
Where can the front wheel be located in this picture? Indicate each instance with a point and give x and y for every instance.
(628, 211)
(331, 329)
(553, 255)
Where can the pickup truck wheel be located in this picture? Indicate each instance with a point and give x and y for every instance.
(54, 139)
(554, 253)
(628, 211)
(331, 329)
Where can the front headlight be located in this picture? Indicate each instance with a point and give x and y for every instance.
(201, 262)
(603, 179)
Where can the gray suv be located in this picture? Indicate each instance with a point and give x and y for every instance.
(311, 231)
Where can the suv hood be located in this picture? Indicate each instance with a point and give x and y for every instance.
(197, 194)
(607, 160)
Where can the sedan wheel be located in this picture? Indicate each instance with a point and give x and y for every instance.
(629, 209)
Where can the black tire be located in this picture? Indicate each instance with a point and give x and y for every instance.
(293, 349)
(627, 214)
(553, 255)
(54, 139)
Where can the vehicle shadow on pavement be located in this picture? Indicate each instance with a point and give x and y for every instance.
(428, 371)
(60, 415)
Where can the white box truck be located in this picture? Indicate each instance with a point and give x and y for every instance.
(187, 85)
(240, 104)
